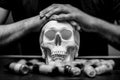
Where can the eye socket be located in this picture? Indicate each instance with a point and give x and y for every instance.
(50, 34)
(66, 34)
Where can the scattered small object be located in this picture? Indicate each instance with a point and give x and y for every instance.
(104, 68)
(46, 69)
(19, 68)
(22, 61)
(91, 67)
(75, 71)
(89, 71)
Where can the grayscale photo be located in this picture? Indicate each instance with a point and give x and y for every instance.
(59, 39)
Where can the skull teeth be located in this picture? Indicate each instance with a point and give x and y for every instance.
(58, 56)
(58, 52)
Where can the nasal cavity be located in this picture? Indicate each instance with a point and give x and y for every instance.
(58, 40)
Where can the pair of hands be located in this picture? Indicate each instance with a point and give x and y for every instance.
(66, 12)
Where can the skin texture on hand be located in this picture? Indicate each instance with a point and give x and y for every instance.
(67, 12)
(87, 22)
(11, 32)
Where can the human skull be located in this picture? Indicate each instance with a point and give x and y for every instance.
(59, 41)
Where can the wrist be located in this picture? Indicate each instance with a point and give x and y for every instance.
(33, 23)
(89, 22)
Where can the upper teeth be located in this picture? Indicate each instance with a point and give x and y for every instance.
(58, 55)
(58, 52)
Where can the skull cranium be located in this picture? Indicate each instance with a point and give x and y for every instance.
(59, 41)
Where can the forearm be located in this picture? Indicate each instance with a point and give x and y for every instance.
(109, 31)
(14, 31)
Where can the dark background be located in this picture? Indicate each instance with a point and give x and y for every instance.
(112, 51)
